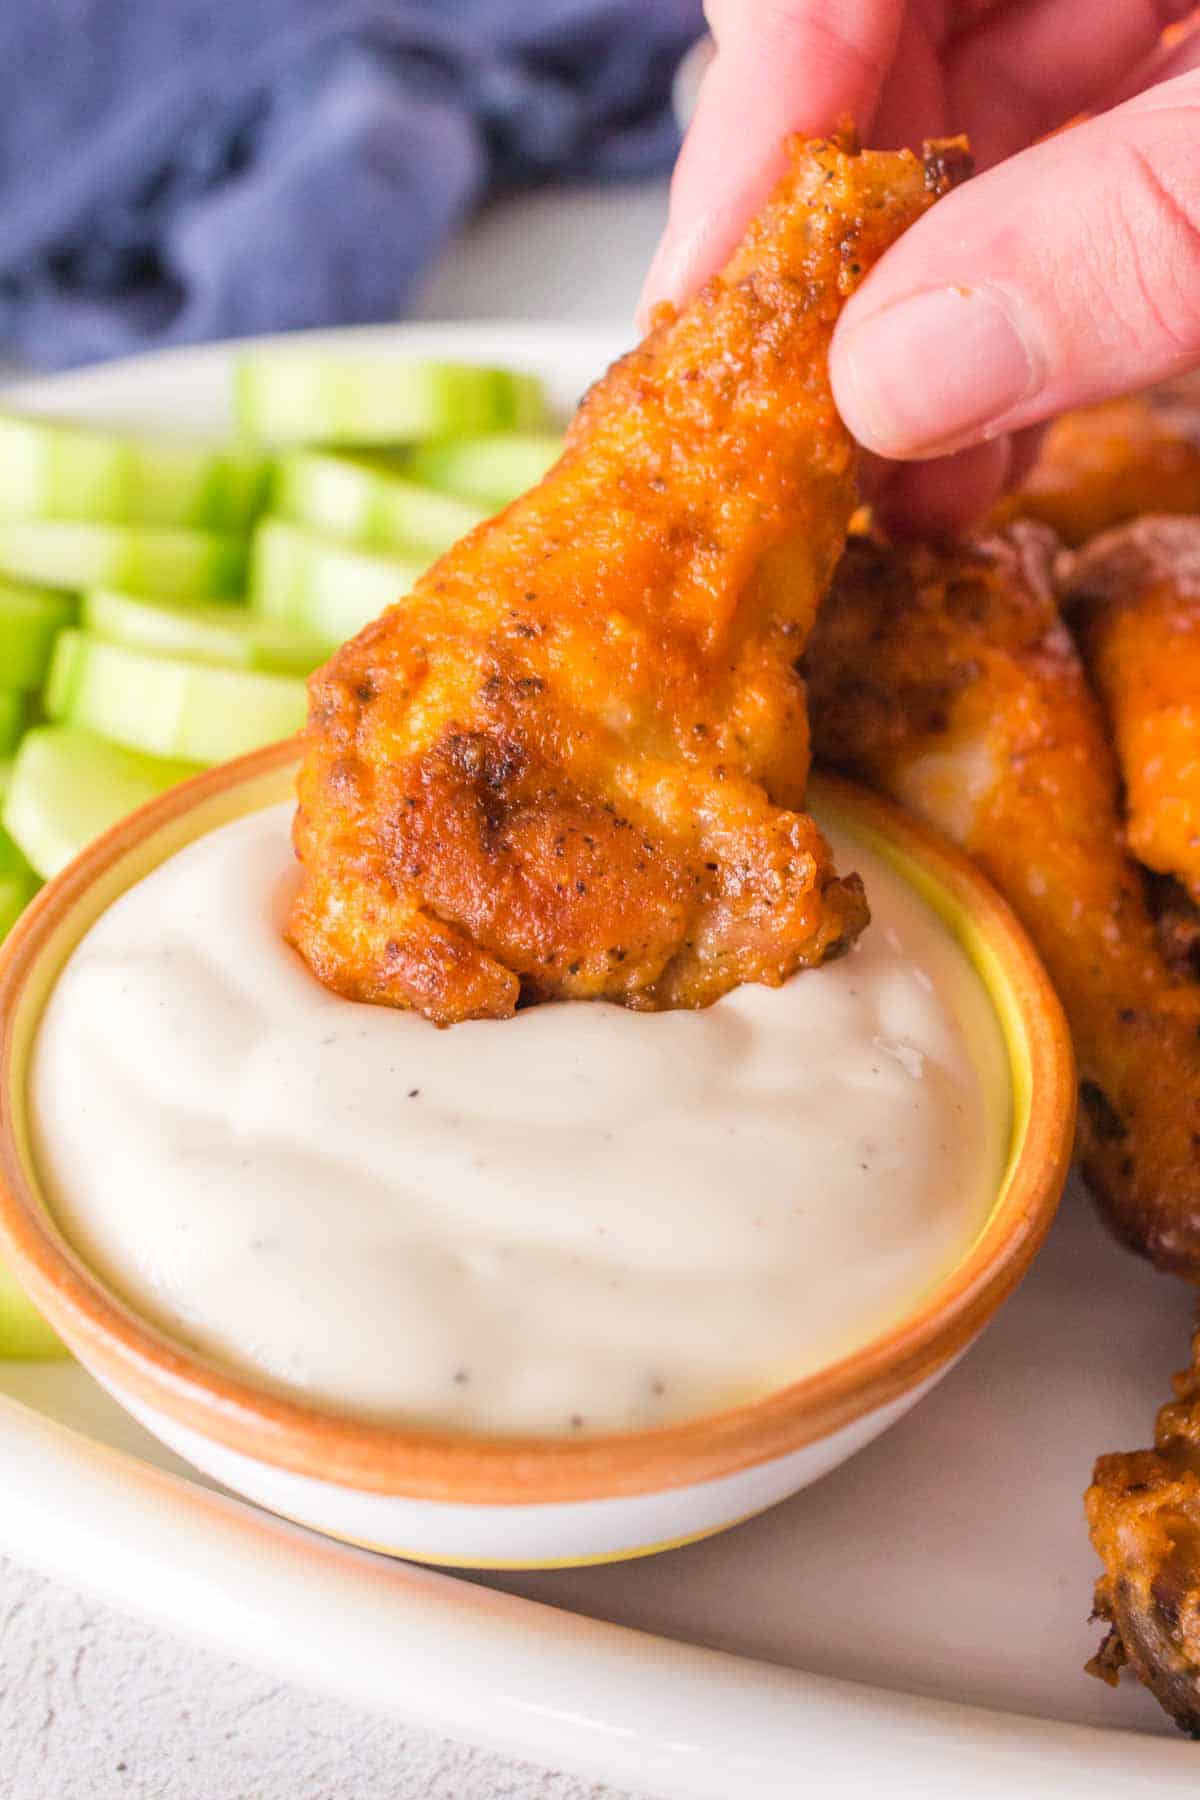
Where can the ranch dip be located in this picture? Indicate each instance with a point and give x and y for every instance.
(579, 1220)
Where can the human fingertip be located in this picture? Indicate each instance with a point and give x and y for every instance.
(685, 260)
(654, 288)
(875, 473)
(932, 371)
(1025, 449)
(945, 494)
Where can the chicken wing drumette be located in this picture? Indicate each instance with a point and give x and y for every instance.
(948, 679)
(572, 761)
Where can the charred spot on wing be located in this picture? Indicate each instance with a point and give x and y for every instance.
(1176, 922)
(345, 778)
(947, 162)
(1111, 1657)
(482, 761)
(1105, 1120)
(843, 138)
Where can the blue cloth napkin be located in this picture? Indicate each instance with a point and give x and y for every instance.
(172, 170)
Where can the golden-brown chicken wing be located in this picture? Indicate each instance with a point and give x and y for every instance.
(947, 678)
(1104, 464)
(1143, 1510)
(572, 762)
(1131, 593)
(1133, 599)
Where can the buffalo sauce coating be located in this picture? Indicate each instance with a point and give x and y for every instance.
(947, 677)
(571, 762)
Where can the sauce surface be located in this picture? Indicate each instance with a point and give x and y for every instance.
(582, 1219)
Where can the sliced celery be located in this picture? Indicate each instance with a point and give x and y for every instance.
(18, 883)
(315, 397)
(217, 633)
(173, 564)
(321, 586)
(351, 497)
(67, 786)
(166, 705)
(54, 470)
(490, 469)
(14, 716)
(30, 620)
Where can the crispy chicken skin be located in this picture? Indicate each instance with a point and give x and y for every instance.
(947, 678)
(1143, 1511)
(572, 761)
(1132, 595)
(1104, 464)
(1133, 598)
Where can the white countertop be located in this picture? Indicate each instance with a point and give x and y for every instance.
(94, 1706)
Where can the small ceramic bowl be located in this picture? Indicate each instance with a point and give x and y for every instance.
(507, 1502)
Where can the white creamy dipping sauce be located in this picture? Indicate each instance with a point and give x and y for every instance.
(582, 1219)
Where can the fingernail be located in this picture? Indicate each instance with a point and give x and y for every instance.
(672, 273)
(932, 371)
(654, 288)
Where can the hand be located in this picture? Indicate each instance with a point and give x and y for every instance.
(1067, 271)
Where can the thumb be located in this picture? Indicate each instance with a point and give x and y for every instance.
(1068, 274)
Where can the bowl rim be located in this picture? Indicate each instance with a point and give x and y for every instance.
(131, 1356)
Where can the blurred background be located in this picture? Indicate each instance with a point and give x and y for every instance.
(179, 170)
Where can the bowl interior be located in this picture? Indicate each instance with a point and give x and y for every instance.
(129, 1352)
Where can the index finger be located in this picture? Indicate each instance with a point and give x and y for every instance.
(781, 66)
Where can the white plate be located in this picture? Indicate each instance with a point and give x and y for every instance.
(919, 1618)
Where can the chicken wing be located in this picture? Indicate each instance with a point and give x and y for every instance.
(1133, 598)
(1143, 1511)
(572, 761)
(1104, 464)
(947, 678)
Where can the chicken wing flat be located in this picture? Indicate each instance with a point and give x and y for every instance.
(1104, 464)
(948, 679)
(1133, 598)
(1143, 1510)
(572, 761)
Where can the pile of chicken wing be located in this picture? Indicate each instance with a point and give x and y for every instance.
(572, 762)
(1033, 691)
